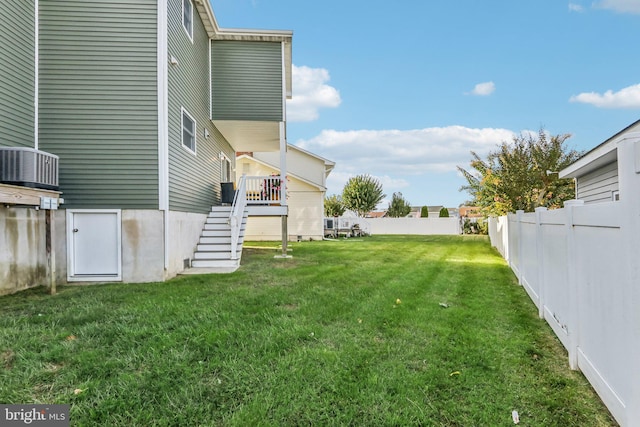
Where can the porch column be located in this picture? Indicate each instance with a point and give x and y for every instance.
(284, 237)
(283, 186)
(283, 165)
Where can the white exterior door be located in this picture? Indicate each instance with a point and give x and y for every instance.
(94, 245)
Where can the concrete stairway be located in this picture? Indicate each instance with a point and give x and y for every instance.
(214, 248)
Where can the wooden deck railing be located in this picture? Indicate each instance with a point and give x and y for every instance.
(264, 190)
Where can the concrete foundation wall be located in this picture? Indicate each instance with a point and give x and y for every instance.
(184, 232)
(23, 258)
(142, 246)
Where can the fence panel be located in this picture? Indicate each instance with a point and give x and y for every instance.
(603, 345)
(573, 263)
(514, 243)
(529, 256)
(427, 226)
(555, 277)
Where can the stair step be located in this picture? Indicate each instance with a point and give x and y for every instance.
(215, 247)
(216, 233)
(215, 263)
(214, 255)
(208, 226)
(217, 240)
(220, 208)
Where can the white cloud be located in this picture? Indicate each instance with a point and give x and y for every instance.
(310, 93)
(573, 7)
(484, 89)
(394, 156)
(628, 97)
(622, 6)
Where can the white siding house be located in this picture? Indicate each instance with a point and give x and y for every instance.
(306, 188)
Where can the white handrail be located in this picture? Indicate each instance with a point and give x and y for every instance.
(236, 215)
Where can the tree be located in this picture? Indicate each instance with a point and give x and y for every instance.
(424, 212)
(362, 194)
(398, 207)
(522, 175)
(333, 206)
(444, 213)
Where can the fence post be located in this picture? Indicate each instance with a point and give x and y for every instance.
(540, 258)
(629, 177)
(574, 309)
(519, 214)
(505, 242)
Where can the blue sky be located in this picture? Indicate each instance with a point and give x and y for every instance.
(404, 90)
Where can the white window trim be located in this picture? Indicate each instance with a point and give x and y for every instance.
(615, 196)
(184, 112)
(189, 34)
(223, 159)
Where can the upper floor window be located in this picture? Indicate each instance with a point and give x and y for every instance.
(187, 17)
(188, 131)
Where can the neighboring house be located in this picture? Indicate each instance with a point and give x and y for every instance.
(376, 214)
(469, 212)
(415, 212)
(145, 104)
(596, 173)
(306, 187)
(434, 211)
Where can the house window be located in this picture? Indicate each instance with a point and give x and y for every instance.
(188, 131)
(615, 195)
(187, 18)
(246, 168)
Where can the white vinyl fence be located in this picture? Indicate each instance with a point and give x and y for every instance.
(579, 265)
(426, 226)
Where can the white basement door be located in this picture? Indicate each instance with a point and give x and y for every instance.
(94, 245)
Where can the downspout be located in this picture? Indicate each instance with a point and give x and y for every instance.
(163, 125)
(36, 83)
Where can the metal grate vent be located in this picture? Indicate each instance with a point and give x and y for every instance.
(28, 167)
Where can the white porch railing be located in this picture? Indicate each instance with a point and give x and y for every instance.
(236, 215)
(263, 190)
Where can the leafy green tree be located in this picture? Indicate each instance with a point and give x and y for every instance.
(444, 213)
(333, 206)
(424, 212)
(521, 175)
(399, 206)
(362, 193)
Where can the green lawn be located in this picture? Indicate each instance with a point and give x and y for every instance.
(379, 331)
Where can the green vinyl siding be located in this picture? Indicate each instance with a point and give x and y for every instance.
(194, 179)
(247, 80)
(98, 100)
(17, 73)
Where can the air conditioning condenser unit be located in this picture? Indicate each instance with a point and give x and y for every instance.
(28, 167)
